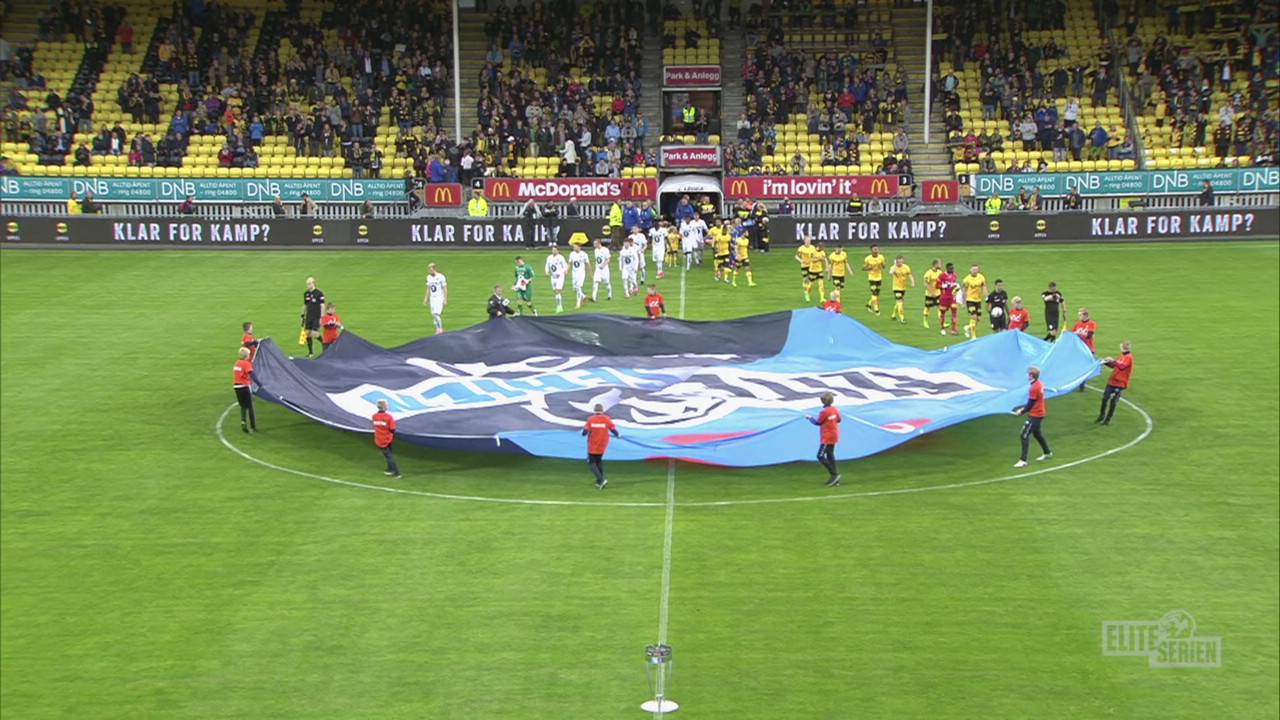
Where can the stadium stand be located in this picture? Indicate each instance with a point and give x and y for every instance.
(824, 94)
(1205, 91)
(1035, 92)
(560, 92)
(226, 89)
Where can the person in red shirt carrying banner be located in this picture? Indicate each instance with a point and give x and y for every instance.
(828, 422)
(832, 303)
(947, 284)
(331, 325)
(384, 434)
(598, 428)
(1019, 317)
(654, 305)
(1121, 368)
(1084, 329)
(242, 379)
(1034, 410)
(248, 341)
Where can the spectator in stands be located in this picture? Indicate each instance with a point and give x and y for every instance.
(90, 206)
(785, 207)
(6, 167)
(82, 156)
(307, 207)
(277, 207)
(187, 206)
(1098, 142)
(901, 142)
(1074, 201)
(1206, 195)
(1077, 140)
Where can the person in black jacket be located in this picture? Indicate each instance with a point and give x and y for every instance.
(498, 305)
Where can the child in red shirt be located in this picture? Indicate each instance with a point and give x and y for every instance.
(384, 433)
(1034, 410)
(597, 429)
(828, 422)
(833, 303)
(654, 305)
(332, 325)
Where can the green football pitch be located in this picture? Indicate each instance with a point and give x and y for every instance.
(152, 570)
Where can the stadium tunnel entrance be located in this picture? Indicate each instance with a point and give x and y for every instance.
(695, 185)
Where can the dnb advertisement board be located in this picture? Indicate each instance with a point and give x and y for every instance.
(253, 190)
(1131, 182)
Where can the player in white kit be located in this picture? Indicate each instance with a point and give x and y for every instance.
(579, 260)
(692, 230)
(658, 241)
(437, 296)
(603, 272)
(629, 264)
(556, 268)
(640, 241)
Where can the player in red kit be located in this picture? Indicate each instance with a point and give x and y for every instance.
(242, 379)
(828, 422)
(1034, 410)
(1019, 318)
(331, 324)
(833, 303)
(654, 305)
(248, 341)
(947, 285)
(1084, 329)
(598, 428)
(384, 433)
(1121, 368)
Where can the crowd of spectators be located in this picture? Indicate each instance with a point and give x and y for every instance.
(562, 79)
(845, 95)
(1214, 93)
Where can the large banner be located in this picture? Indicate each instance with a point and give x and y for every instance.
(253, 190)
(806, 187)
(783, 230)
(1130, 182)
(731, 392)
(499, 189)
(691, 76)
(1027, 227)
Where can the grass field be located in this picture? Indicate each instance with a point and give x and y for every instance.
(151, 572)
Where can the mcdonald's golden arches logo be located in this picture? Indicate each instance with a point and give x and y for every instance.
(879, 186)
(638, 188)
(739, 187)
(940, 192)
(444, 195)
(501, 189)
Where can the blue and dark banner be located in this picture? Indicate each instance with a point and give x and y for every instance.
(731, 392)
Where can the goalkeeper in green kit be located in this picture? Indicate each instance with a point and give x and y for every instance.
(524, 286)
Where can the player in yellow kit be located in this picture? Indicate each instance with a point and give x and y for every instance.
(718, 236)
(931, 290)
(839, 261)
(818, 270)
(804, 256)
(742, 258)
(874, 265)
(975, 291)
(901, 273)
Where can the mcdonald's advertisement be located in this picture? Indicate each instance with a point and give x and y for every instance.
(801, 187)
(940, 191)
(260, 190)
(442, 195)
(501, 189)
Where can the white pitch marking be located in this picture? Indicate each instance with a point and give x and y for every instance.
(705, 503)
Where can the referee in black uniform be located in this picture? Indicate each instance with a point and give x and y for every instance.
(1052, 307)
(312, 308)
